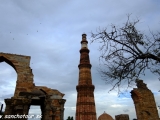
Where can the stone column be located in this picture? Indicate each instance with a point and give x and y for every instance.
(8, 109)
(26, 105)
(47, 109)
(47, 112)
(54, 109)
(26, 109)
(61, 102)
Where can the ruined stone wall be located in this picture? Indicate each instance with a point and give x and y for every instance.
(144, 102)
(27, 94)
(24, 73)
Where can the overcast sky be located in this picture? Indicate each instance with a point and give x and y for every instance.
(50, 32)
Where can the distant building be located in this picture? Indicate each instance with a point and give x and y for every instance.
(105, 116)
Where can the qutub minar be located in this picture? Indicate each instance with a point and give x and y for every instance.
(85, 107)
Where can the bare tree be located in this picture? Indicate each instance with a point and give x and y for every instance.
(127, 53)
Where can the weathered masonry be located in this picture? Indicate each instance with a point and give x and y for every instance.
(26, 93)
(144, 102)
(122, 117)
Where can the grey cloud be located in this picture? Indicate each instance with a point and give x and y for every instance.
(50, 32)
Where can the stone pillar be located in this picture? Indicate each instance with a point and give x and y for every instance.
(61, 102)
(8, 109)
(42, 111)
(122, 117)
(144, 102)
(47, 112)
(26, 105)
(54, 109)
(26, 109)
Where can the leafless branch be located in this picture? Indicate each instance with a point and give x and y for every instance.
(127, 53)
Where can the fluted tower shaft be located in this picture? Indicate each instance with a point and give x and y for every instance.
(85, 107)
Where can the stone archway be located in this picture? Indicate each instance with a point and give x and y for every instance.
(144, 102)
(8, 77)
(24, 72)
(27, 94)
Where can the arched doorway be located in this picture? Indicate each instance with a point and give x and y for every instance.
(8, 78)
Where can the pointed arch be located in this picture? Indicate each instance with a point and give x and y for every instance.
(21, 64)
(3, 59)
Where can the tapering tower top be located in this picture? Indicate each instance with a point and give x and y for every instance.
(84, 51)
(84, 41)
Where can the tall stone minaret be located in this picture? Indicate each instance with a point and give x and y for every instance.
(85, 107)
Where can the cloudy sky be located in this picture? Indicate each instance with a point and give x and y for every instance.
(50, 32)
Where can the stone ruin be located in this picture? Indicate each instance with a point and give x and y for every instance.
(144, 101)
(122, 117)
(26, 93)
